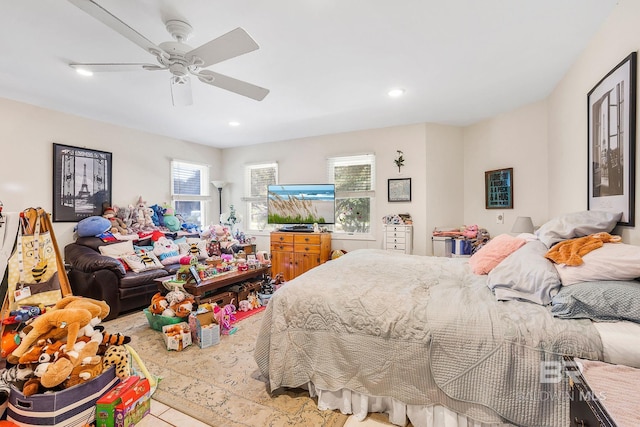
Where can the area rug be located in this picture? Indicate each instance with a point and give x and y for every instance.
(220, 385)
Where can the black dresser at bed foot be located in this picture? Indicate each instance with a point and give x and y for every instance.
(603, 394)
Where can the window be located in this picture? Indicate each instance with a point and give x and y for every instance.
(190, 191)
(257, 179)
(354, 177)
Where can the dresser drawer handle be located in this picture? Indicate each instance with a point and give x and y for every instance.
(281, 238)
(306, 239)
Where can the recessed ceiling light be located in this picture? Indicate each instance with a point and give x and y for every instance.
(84, 72)
(394, 93)
(234, 124)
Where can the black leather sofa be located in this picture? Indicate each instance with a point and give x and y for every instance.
(94, 275)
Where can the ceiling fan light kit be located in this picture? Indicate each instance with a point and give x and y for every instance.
(179, 58)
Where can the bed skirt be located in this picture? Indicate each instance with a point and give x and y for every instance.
(359, 405)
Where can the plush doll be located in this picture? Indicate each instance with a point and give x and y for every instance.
(167, 251)
(143, 215)
(170, 219)
(158, 304)
(157, 216)
(118, 356)
(470, 231)
(222, 235)
(83, 373)
(124, 214)
(184, 307)
(69, 358)
(67, 322)
(117, 225)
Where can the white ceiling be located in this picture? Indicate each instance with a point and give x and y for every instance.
(327, 63)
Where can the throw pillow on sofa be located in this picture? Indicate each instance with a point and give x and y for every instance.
(142, 261)
(195, 247)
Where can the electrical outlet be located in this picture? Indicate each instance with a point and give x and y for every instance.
(500, 218)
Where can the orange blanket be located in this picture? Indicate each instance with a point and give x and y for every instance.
(570, 252)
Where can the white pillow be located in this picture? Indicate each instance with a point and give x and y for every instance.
(577, 224)
(195, 247)
(613, 261)
(116, 250)
(525, 275)
(142, 262)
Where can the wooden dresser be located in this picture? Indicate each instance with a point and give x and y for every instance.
(294, 253)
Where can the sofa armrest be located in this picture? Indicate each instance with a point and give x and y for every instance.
(101, 285)
(85, 259)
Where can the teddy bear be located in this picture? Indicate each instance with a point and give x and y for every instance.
(158, 304)
(117, 224)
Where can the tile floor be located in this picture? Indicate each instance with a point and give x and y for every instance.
(163, 416)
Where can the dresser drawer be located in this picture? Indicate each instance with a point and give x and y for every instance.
(284, 247)
(396, 239)
(310, 239)
(281, 238)
(306, 248)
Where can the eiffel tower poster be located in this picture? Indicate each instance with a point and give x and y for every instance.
(81, 184)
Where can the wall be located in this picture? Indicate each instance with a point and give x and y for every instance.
(141, 161)
(516, 139)
(567, 186)
(304, 160)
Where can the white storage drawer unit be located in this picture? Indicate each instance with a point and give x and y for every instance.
(398, 238)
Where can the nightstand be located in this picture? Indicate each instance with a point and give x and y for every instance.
(602, 393)
(398, 238)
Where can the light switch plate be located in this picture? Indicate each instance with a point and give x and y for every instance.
(499, 217)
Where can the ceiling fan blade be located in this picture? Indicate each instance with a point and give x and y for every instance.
(181, 91)
(116, 67)
(233, 85)
(234, 43)
(103, 15)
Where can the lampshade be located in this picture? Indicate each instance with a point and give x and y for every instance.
(523, 224)
(218, 184)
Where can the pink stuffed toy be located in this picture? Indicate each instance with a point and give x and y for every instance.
(470, 231)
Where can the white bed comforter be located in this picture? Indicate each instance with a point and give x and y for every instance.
(424, 331)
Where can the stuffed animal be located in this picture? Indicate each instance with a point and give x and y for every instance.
(83, 373)
(157, 216)
(66, 321)
(170, 219)
(158, 304)
(167, 251)
(244, 305)
(143, 215)
(118, 356)
(470, 231)
(222, 235)
(184, 307)
(124, 214)
(117, 225)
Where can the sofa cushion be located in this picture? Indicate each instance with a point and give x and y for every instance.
(133, 279)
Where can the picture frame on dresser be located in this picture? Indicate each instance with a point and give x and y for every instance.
(399, 189)
(81, 182)
(611, 129)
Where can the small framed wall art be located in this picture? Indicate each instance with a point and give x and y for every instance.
(399, 190)
(498, 189)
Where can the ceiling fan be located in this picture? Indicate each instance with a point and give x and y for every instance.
(179, 58)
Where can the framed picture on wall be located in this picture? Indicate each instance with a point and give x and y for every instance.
(612, 141)
(81, 182)
(399, 190)
(498, 189)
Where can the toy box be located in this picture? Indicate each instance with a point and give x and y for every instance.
(124, 405)
(70, 407)
(177, 337)
(157, 321)
(205, 330)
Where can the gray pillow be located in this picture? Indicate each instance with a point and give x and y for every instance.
(577, 224)
(604, 300)
(525, 275)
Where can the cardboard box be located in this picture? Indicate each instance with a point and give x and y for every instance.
(106, 405)
(73, 406)
(205, 331)
(124, 405)
(177, 340)
(135, 404)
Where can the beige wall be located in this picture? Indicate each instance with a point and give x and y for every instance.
(518, 140)
(140, 160)
(567, 191)
(432, 153)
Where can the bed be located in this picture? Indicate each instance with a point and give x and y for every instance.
(427, 340)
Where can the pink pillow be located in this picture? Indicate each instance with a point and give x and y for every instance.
(493, 252)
